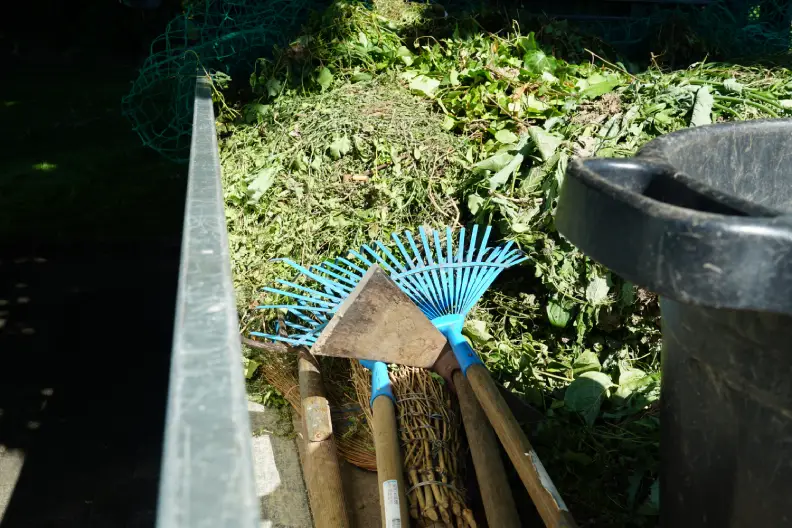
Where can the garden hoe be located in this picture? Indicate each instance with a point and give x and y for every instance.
(378, 319)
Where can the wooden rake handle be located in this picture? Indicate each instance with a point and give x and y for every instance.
(496, 494)
(540, 487)
(321, 468)
(394, 509)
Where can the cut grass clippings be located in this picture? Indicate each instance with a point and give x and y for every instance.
(355, 132)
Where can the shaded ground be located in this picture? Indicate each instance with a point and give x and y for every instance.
(89, 247)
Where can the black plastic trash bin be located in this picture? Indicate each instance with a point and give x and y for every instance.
(703, 217)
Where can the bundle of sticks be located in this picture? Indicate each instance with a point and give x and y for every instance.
(431, 441)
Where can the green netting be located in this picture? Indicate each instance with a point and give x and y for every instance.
(223, 35)
(211, 36)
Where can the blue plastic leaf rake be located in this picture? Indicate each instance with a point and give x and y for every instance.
(445, 275)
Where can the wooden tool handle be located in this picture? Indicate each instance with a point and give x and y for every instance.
(496, 494)
(322, 472)
(394, 509)
(532, 473)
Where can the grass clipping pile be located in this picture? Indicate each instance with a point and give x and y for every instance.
(309, 177)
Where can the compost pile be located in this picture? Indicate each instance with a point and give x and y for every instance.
(382, 119)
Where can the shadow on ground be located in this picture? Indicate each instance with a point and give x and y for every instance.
(90, 226)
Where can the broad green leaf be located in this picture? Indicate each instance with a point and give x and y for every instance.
(502, 176)
(424, 85)
(594, 90)
(474, 203)
(449, 123)
(597, 291)
(250, 367)
(261, 183)
(494, 163)
(733, 85)
(453, 77)
(536, 62)
(527, 43)
(702, 108)
(546, 143)
(325, 78)
(273, 87)
(630, 380)
(339, 147)
(557, 314)
(506, 137)
(477, 331)
(586, 394)
(535, 105)
(588, 361)
(361, 77)
(405, 55)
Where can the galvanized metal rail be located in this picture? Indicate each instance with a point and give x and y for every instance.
(207, 473)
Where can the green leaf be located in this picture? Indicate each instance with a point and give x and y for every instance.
(630, 380)
(597, 291)
(449, 123)
(527, 43)
(477, 331)
(361, 77)
(325, 78)
(273, 87)
(424, 85)
(557, 314)
(535, 105)
(250, 367)
(474, 203)
(586, 394)
(588, 361)
(339, 148)
(702, 108)
(506, 137)
(600, 88)
(546, 143)
(502, 176)
(405, 55)
(453, 77)
(261, 183)
(733, 85)
(536, 62)
(494, 163)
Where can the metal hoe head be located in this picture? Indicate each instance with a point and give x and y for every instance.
(377, 321)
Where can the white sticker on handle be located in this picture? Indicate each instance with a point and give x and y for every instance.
(390, 498)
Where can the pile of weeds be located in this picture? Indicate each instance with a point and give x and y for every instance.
(370, 124)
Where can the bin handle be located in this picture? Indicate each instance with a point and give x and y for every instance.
(677, 236)
(655, 180)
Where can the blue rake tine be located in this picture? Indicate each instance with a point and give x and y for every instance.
(297, 296)
(302, 288)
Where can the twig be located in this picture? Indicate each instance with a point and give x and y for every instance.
(262, 345)
(620, 68)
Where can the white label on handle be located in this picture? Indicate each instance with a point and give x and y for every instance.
(390, 498)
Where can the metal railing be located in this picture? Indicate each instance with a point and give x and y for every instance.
(207, 472)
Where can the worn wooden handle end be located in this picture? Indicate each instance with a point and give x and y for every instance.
(540, 487)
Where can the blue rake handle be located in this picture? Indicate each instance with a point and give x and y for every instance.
(390, 473)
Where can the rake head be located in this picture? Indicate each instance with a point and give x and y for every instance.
(444, 276)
